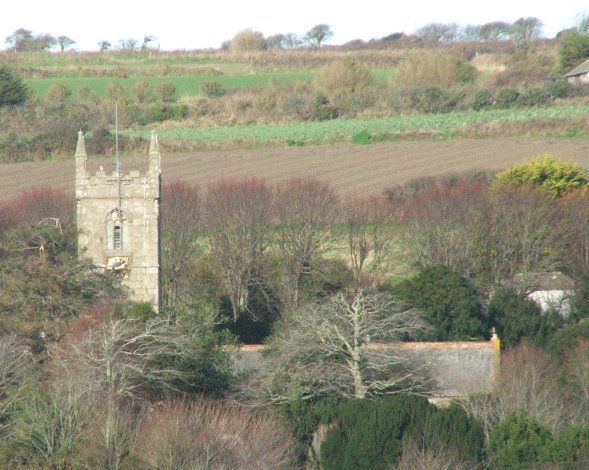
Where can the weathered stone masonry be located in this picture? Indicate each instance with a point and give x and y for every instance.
(119, 222)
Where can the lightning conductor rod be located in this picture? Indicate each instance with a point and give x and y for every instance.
(117, 159)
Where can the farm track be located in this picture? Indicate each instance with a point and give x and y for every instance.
(369, 169)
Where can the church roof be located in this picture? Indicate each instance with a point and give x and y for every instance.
(581, 69)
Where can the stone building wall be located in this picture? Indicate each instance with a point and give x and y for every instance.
(119, 223)
(455, 368)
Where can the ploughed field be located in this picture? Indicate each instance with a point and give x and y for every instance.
(348, 167)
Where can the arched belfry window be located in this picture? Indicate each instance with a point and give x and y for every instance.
(115, 230)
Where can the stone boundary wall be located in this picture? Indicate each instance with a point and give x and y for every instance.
(456, 368)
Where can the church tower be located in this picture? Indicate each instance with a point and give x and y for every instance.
(119, 222)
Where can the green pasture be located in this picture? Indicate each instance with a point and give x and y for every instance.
(186, 85)
(339, 129)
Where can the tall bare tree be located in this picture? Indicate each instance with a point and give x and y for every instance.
(365, 221)
(181, 223)
(238, 215)
(305, 211)
(124, 361)
(526, 232)
(332, 348)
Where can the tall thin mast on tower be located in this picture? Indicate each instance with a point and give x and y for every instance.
(117, 159)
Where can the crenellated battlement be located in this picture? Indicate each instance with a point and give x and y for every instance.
(118, 222)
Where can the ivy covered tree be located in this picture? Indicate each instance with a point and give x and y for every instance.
(573, 49)
(450, 303)
(515, 317)
(12, 89)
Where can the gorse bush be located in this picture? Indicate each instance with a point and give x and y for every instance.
(432, 69)
(212, 89)
(343, 77)
(552, 175)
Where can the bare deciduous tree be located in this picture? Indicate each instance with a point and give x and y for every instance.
(238, 220)
(211, 434)
(577, 370)
(331, 348)
(120, 361)
(181, 223)
(419, 455)
(305, 211)
(528, 382)
(526, 232)
(447, 225)
(366, 221)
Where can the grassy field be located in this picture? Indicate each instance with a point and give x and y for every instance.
(186, 84)
(341, 129)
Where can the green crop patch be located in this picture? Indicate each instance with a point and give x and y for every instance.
(340, 129)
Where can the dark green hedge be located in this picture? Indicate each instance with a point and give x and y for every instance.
(370, 433)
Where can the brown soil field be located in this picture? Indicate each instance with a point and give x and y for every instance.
(369, 169)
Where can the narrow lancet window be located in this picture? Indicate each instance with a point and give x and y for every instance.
(118, 240)
(115, 227)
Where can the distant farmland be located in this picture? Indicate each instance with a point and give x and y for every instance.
(315, 132)
(187, 84)
(370, 169)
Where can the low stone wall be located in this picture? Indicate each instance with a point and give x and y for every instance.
(455, 368)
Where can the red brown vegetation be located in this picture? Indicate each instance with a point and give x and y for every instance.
(211, 434)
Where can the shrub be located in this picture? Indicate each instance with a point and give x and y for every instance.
(572, 50)
(516, 441)
(12, 89)
(142, 91)
(450, 303)
(343, 77)
(116, 91)
(433, 70)
(322, 110)
(517, 317)
(166, 92)
(361, 138)
(212, 434)
(569, 337)
(506, 97)
(165, 112)
(432, 99)
(212, 89)
(370, 433)
(58, 94)
(554, 176)
(569, 445)
(247, 41)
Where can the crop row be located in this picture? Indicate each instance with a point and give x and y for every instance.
(321, 131)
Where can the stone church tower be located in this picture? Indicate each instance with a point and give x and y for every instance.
(119, 222)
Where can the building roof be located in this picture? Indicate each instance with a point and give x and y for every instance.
(579, 70)
(536, 281)
(454, 368)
